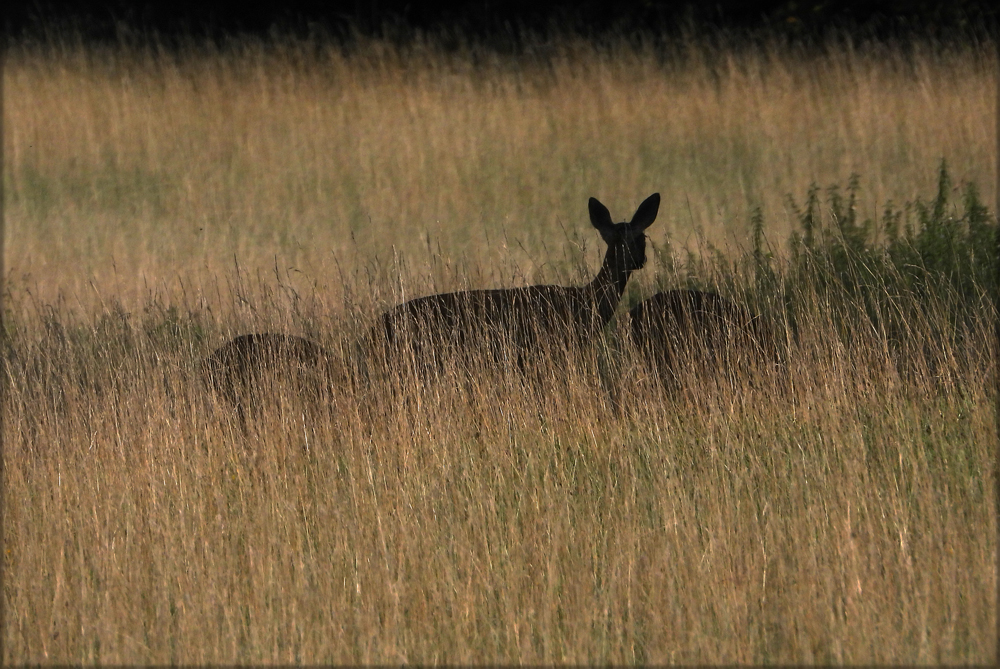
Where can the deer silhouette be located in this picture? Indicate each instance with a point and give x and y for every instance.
(507, 321)
(243, 368)
(679, 328)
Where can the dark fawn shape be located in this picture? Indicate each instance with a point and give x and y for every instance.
(242, 369)
(679, 328)
(515, 321)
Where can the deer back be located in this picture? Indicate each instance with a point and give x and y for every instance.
(676, 326)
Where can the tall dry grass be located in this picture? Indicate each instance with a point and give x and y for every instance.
(840, 513)
(847, 518)
(133, 169)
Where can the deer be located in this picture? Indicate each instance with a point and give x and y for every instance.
(691, 327)
(242, 368)
(516, 322)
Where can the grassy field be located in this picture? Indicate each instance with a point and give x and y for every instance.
(161, 201)
(134, 171)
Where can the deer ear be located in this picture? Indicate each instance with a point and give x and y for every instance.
(646, 213)
(600, 217)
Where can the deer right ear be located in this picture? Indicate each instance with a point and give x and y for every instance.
(600, 217)
(646, 213)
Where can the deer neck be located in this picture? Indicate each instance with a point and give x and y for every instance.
(608, 286)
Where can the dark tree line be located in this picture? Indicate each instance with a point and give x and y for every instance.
(484, 19)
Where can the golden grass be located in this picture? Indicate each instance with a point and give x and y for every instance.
(129, 163)
(846, 520)
(846, 517)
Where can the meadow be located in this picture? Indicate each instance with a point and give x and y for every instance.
(160, 200)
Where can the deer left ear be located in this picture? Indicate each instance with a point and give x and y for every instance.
(600, 217)
(646, 213)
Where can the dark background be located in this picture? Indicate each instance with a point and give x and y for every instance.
(511, 20)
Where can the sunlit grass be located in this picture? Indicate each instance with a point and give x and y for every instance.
(135, 169)
(836, 510)
(845, 518)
